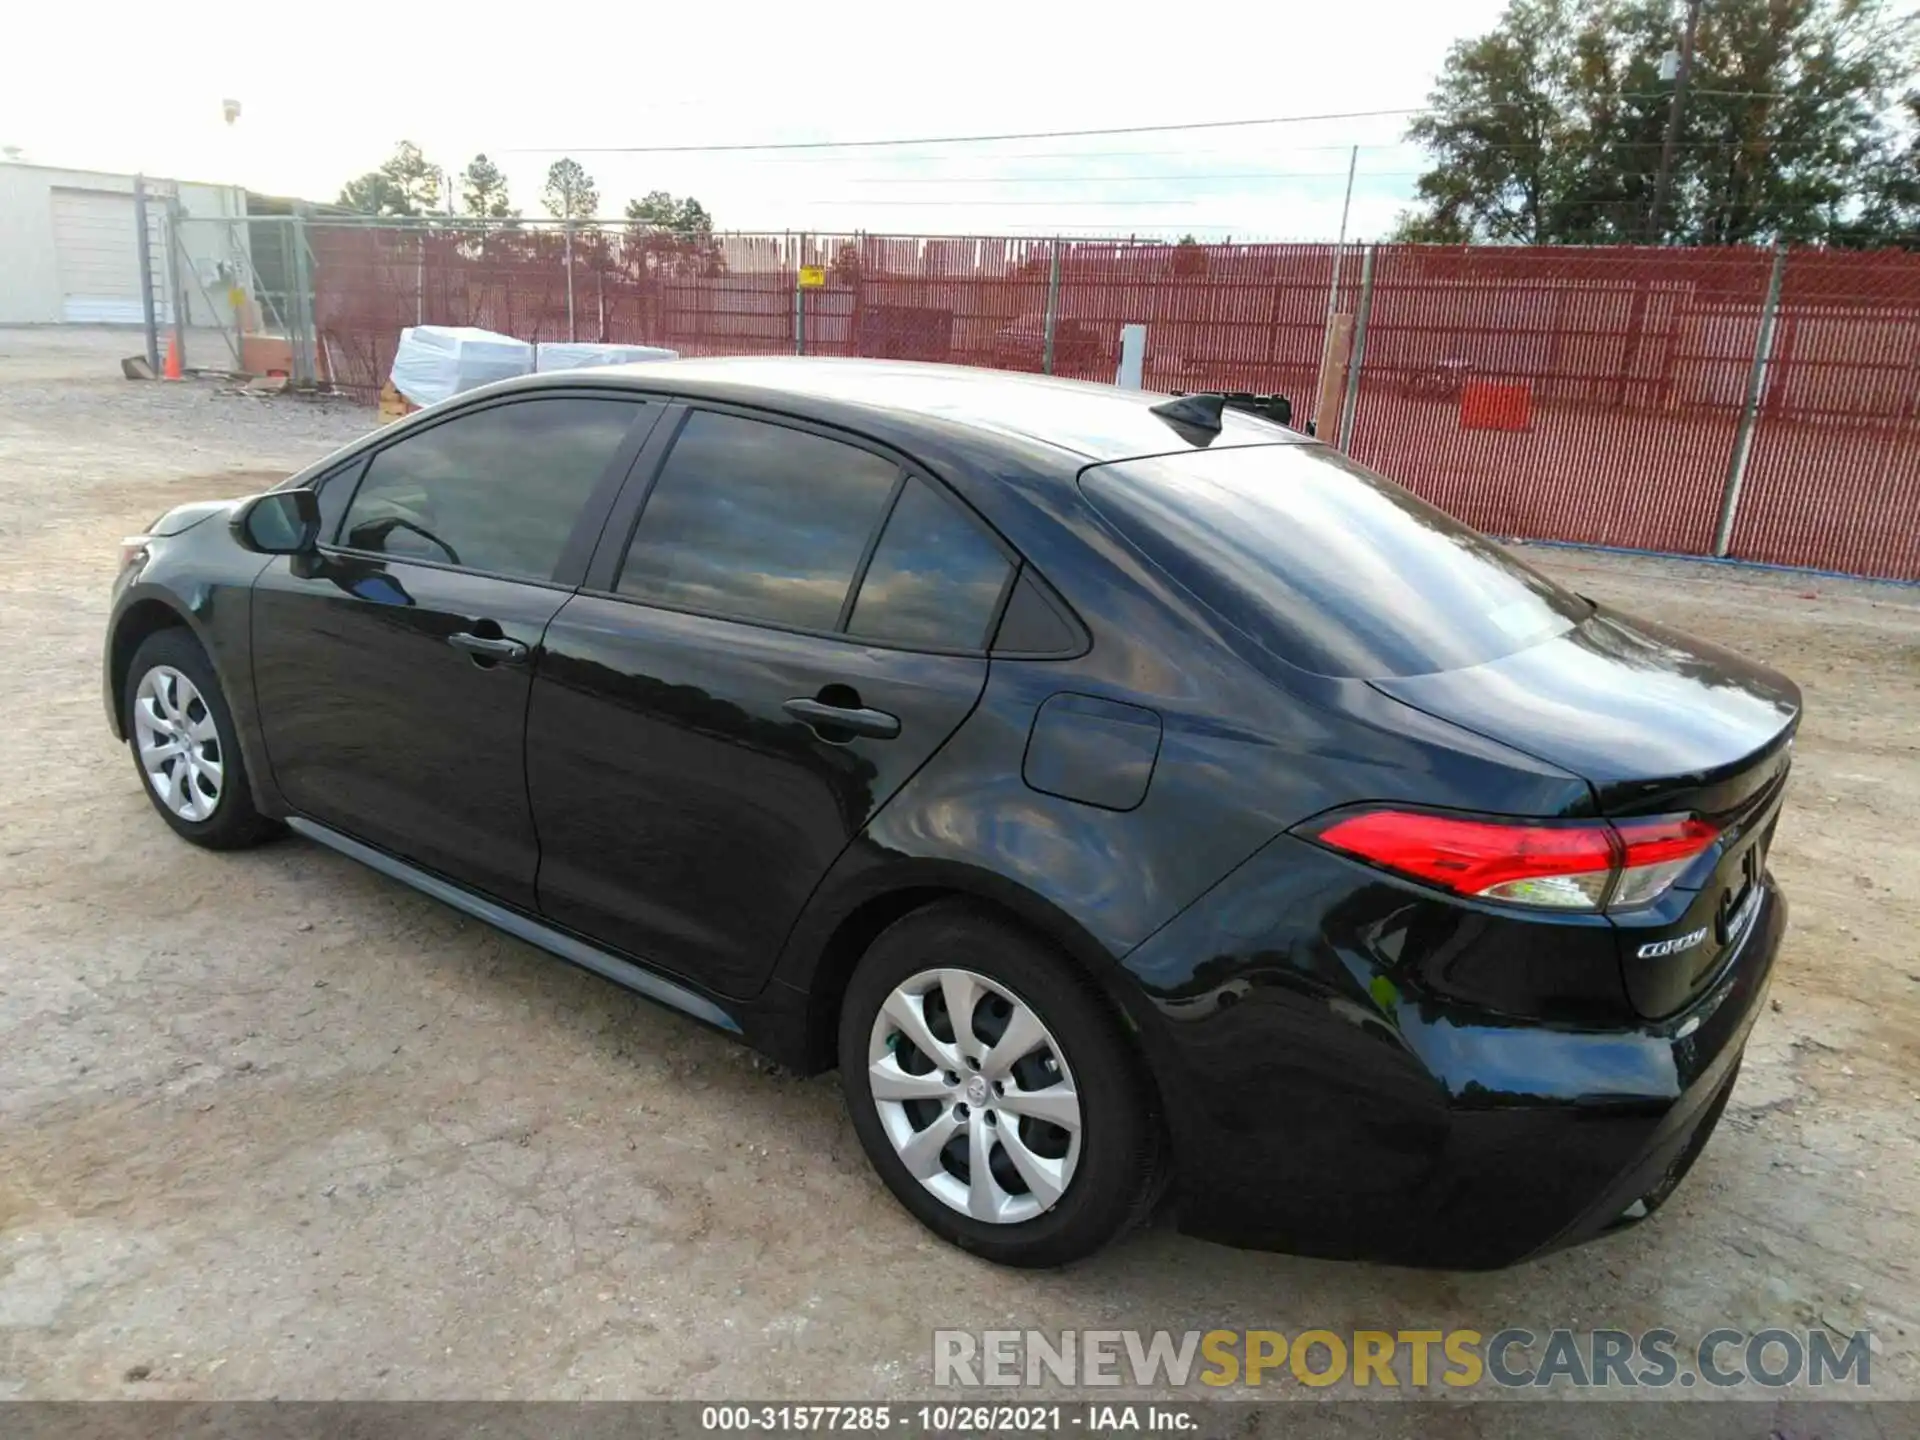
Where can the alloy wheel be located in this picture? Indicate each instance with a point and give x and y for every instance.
(975, 1095)
(178, 742)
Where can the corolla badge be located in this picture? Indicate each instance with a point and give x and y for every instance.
(1656, 948)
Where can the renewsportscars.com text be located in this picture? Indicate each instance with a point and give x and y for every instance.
(1367, 1359)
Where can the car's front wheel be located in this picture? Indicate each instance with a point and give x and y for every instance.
(992, 1091)
(181, 735)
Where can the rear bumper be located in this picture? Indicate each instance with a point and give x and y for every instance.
(1319, 1105)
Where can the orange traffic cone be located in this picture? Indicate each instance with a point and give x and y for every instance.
(172, 371)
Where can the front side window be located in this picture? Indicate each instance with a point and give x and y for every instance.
(935, 579)
(334, 492)
(757, 522)
(498, 490)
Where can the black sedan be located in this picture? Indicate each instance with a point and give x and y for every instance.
(1124, 793)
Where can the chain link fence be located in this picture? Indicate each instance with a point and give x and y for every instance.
(1751, 403)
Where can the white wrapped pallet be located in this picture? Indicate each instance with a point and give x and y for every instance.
(435, 361)
(566, 355)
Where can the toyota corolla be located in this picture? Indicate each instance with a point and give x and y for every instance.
(1130, 796)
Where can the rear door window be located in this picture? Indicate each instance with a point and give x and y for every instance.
(935, 579)
(498, 490)
(756, 521)
(1330, 567)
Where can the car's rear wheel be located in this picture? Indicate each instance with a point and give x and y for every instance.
(993, 1091)
(181, 735)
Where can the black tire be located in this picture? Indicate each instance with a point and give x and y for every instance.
(1118, 1175)
(234, 823)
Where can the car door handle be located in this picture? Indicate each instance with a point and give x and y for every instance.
(877, 724)
(496, 648)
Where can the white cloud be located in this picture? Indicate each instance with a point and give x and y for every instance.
(326, 93)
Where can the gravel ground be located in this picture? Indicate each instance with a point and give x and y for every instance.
(272, 1125)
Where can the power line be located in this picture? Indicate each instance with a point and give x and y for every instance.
(1516, 146)
(974, 204)
(1010, 156)
(1125, 179)
(953, 139)
(1177, 178)
(1070, 174)
(1186, 152)
(790, 145)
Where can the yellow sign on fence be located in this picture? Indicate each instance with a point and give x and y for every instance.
(812, 277)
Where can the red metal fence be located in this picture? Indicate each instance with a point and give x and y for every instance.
(1634, 364)
(1834, 479)
(1609, 396)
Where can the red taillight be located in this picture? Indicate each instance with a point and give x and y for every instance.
(1655, 854)
(1565, 866)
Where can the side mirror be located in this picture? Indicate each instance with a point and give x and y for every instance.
(280, 522)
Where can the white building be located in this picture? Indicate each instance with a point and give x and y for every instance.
(70, 252)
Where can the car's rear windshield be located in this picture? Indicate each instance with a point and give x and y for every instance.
(1329, 566)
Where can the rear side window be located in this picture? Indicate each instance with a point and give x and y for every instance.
(757, 522)
(935, 579)
(1329, 566)
(497, 490)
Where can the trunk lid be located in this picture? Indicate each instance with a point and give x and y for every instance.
(1658, 724)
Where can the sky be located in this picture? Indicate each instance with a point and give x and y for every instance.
(324, 96)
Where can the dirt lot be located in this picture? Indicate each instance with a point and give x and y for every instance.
(271, 1124)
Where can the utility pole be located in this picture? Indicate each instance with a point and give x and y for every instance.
(1681, 75)
(1333, 347)
(573, 331)
(1340, 245)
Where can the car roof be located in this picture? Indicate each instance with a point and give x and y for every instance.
(1097, 422)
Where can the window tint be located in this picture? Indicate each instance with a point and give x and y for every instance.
(935, 579)
(757, 521)
(1330, 566)
(336, 489)
(498, 490)
(1032, 624)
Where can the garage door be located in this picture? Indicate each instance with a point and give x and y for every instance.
(97, 250)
